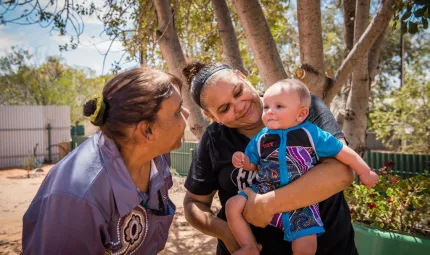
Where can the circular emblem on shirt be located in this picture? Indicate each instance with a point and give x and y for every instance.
(132, 230)
(243, 178)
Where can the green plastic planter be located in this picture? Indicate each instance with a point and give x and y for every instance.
(372, 241)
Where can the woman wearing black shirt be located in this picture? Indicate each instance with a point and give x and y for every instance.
(227, 97)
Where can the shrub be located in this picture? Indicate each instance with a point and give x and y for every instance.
(394, 204)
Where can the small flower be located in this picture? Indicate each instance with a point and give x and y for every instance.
(389, 199)
(395, 180)
(383, 171)
(389, 164)
(373, 195)
(371, 205)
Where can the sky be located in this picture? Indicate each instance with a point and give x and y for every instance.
(42, 42)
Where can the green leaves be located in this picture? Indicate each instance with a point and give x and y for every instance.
(403, 114)
(50, 83)
(391, 205)
(412, 27)
(406, 15)
(413, 15)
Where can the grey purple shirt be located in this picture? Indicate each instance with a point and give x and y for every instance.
(89, 204)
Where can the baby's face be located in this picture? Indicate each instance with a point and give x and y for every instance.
(281, 108)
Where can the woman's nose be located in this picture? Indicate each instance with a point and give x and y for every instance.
(239, 106)
(185, 112)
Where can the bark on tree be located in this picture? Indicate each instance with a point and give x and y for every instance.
(260, 40)
(374, 54)
(230, 44)
(338, 105)
(361, 47)
(358, 100)
(349, 18)
(171, 50)
(311, 45)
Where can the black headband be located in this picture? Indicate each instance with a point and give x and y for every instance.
(201, 78)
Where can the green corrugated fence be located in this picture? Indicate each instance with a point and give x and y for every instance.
(182, 157)
(77, 140)
(405, 165)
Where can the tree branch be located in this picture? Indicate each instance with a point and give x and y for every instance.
(366, 41)
(228, 36)
(311, 44)
(260, 40)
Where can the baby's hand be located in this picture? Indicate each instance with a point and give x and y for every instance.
(369, 179)
(238, 159)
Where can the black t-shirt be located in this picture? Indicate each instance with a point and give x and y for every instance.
(212, 170)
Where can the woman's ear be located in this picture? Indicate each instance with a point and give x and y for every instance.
(145, 130)
(210, 116)
(303, 114)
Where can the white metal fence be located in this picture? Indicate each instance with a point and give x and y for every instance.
(22, 127)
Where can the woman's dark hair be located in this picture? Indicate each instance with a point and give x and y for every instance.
(197, 74)
(131, 97)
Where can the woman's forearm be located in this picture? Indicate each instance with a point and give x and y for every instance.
(201, 217)
(323, 181)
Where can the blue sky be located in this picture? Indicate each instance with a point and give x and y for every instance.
(42, 42)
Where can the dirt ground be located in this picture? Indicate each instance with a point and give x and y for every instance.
(17, 191)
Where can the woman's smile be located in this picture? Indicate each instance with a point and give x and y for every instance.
(248, 111)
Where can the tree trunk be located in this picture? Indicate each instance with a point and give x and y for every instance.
(260, 41)
(349, 18)
(358, 101)
(361, 47)
(172, 53)
(374, 53)
(230, 45)
(311, 45)
(338, 105)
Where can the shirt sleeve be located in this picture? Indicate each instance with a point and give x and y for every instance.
(201, 178)
(60, 224)
(326, 145)
(252, 151)
(321, 116)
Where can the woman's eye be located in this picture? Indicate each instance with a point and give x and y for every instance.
(178, 113)
(238, 93)
(225, 109)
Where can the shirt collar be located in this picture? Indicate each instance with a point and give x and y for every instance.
(125, 192)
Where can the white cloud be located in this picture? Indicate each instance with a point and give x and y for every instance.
(60, 40)
(91, 20)
(8, 40)
(104, 46)
(95, 42)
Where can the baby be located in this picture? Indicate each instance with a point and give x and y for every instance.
(283, 151)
